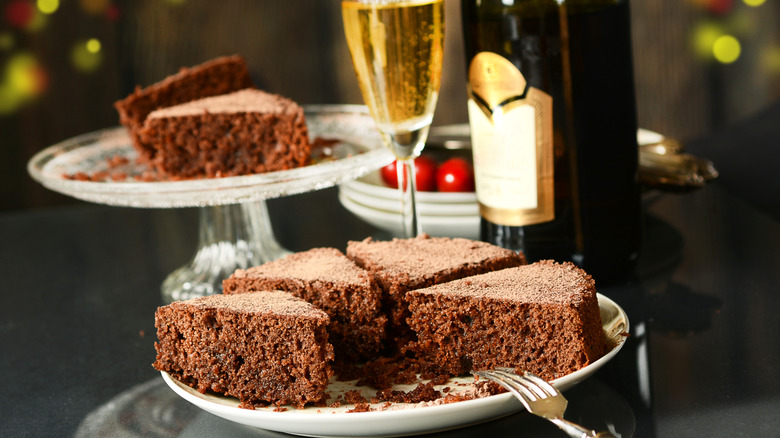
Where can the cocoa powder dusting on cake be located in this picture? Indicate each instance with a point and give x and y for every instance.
(315, 264)
(542, 282)
(246, 100)
(424, 255)
(260, 302)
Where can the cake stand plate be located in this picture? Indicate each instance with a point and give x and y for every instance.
(235, 229)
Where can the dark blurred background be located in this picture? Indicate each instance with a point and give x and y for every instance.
(701, 65)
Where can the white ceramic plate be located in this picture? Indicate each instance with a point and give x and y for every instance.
(399, 419)
(371, 185)
(437, 226)
(425, 208)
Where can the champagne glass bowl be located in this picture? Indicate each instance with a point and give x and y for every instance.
(397, 49)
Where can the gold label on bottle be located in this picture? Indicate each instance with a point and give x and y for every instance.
(511, 137)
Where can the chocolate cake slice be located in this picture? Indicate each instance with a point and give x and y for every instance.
(217, 76)
(331, 282)
(262, 348)
(543, 317)
(401, 265)
(244, 132)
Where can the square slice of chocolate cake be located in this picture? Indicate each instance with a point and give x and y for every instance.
(262, 348)
(543, 318)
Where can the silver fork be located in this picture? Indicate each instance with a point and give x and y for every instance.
(540, 398)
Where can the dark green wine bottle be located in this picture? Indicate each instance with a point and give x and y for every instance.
(553, 120)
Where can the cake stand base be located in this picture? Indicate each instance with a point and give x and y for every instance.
(230, 237)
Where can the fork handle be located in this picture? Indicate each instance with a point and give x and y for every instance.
(574, 430)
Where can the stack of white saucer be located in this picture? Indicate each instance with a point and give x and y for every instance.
(441, 214)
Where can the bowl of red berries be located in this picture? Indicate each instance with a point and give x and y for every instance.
(444, 175)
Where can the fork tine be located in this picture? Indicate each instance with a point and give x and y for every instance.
(527, 390)
(531, 381)
(520, 392)
(542, 384)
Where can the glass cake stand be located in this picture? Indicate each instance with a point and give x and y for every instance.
(234, 229)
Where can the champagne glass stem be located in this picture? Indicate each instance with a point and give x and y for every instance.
(408, 192)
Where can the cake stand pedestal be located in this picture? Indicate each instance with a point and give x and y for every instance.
(229, 237)
(235, 229)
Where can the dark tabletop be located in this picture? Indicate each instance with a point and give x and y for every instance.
(80, 285)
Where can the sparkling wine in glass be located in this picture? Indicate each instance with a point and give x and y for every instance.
(397, 49)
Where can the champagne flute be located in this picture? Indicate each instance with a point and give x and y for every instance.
(397, 49)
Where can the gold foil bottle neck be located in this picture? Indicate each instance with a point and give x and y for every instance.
(494, 79)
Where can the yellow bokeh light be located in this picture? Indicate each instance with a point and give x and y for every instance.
(93, 45)
(726, 49)
(20, 74)
(704, 36)
(83, 59)
(48, 6)
(22, 80)
(754, 3)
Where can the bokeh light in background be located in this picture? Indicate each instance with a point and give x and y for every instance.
(22, 80)
(86, 55)
(48, 6)
(704, 36)
(19, 13)
(23, 76)
(721, 36)
(726, 49)
(718, 38)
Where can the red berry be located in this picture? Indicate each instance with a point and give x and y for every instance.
(389, 175)
(425, 174)
(455, 175)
